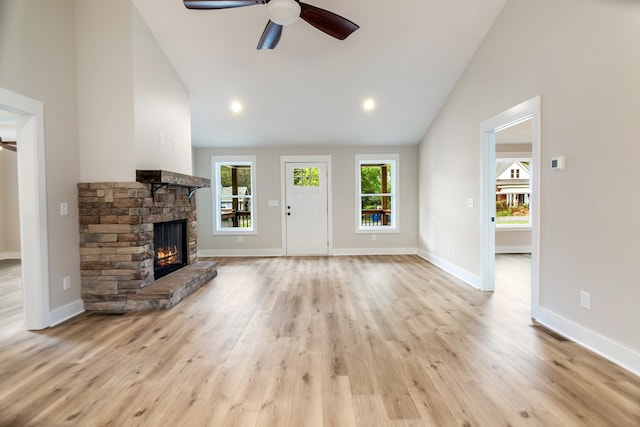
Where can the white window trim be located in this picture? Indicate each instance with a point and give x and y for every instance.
(394, 160)
(215, 194)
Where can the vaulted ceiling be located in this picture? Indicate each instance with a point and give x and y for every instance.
(309, 90)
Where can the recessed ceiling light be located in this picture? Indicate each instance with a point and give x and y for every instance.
(236, 107)
(369, 104)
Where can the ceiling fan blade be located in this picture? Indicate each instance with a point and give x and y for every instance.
(221, 4)
(327, 22)
(8, 145)
(270, 36)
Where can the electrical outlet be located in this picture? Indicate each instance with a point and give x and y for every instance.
(64, 209)
(449, 249)
(585, 300)
(66, 283)
(240, 239)
(373, 237)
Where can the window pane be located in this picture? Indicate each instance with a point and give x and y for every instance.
(238, 217)
(375, 179)
(376, 211)
(235, 179)
(306, 177)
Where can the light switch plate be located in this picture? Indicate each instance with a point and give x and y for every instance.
(557, 163)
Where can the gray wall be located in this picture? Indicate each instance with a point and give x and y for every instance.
(345, 240)
(580, 56)
(37, 60)
(9, 211)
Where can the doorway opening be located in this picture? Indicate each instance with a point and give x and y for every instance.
(29, 131)
(11, 293)
(521, 123)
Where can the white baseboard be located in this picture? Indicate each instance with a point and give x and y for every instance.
(9, 255)
(373, 251)
(469, 278)
(239, 253)
(617, 353)
(279, 252)
(66, 312)
(513, 249)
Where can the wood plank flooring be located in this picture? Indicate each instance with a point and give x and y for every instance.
(326, 341)
(10, 297)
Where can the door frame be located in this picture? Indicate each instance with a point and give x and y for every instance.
(488, 128)
(283, 195)
(32, 192)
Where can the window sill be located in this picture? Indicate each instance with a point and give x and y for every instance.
(514, 227)
(234, 233)
(377, 231)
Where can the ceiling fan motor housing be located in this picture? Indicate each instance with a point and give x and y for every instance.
(283, 12)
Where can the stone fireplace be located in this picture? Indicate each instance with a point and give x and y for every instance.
(138, 242)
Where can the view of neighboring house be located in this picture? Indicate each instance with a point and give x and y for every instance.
(513, 192)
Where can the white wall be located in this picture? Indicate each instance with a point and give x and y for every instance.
(162, 107)
(37, 60)
(579, 56)
(105, 90)
(129, 94)
(345, 240)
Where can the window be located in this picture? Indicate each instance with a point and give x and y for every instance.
(513, 193)
(377, 195)
(233, 194)
(306, 177)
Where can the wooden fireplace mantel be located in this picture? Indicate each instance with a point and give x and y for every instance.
(160, 178)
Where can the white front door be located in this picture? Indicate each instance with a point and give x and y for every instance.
(306, 208)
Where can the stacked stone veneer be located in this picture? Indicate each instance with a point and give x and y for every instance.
(116, 241)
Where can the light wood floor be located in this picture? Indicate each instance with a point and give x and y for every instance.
(10, 297)
(338, 341)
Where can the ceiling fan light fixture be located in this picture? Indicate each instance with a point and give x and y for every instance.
(283, 12)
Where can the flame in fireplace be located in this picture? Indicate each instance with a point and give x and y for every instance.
(167, 256)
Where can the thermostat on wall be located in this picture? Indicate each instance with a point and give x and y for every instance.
(557, 163)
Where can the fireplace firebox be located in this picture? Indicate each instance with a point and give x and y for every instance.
(170, 247)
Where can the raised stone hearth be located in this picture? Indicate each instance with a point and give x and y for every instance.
(116, 242)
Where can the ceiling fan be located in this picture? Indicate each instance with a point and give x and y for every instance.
(285, 12)
(8, 145)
